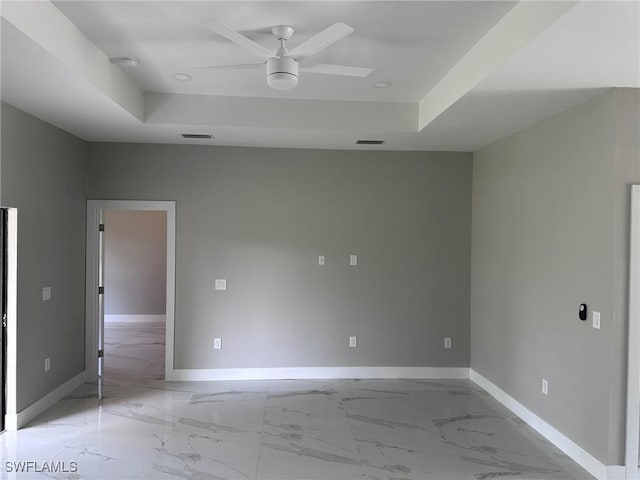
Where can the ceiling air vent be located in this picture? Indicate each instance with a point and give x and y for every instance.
(369, 142)
(197, 135)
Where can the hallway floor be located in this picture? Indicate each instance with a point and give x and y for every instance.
(285, 429)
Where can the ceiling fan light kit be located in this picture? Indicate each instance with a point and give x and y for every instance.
(283, 65)
(282, 73)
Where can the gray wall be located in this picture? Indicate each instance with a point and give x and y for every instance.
(626, 173)
(135, 262)
(44, 175)
(261, 217)
(548, 230)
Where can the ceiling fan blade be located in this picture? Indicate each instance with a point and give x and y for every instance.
(320, 41)
(239, 39)
(237, 66)
(331, 69)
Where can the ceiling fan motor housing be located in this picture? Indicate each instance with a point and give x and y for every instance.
(282, 73)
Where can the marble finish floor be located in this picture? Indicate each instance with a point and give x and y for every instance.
(145, 428)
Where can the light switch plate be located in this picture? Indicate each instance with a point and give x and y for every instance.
(353, 260)
(46, 294)
(321, 260)
(596, 320)
(221, 283)
(47, 364)
(353, 342)
(217, 343)
(545, 387)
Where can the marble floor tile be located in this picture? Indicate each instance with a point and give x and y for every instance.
(306, 435)
(146, 428)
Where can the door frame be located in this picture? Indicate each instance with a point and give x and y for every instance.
(11, 406)
(94, 207)
(632, 444)
(4, 226)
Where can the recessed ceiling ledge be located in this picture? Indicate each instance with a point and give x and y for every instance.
(252, 112)
(525, 21)
(51, 30)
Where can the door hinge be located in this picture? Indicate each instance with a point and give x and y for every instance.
(100, 290)
(100, 353)
(101, 227)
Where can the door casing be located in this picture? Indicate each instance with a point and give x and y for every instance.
(632, 443)
(94, 209)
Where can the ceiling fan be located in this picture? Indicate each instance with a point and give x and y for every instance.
(283, 65)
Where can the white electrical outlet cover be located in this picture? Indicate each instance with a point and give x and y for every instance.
(353, 260)
(217, 343)
(596, 320)
(447, 342)
(221, 283)
(353, 342)
(321, 260)
(46, 294)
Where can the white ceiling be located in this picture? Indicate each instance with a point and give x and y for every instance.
(390, 37)
(463, 74)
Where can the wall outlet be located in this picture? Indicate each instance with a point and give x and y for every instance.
(221, 283)
(321, 260)
(545, 387)
(47, 364)
(353, 260)
(46, 294)
(217, 343)
(447, 342)
(353, 342)
(596, 320)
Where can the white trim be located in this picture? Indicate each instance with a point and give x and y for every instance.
(616, 472)
(91, 293)
(308, 373)
(18, 420)
(94, 207)
(633, 360)
(135, 318)
(573, 450)
(12, 315)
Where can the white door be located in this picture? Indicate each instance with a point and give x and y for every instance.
(101, 249)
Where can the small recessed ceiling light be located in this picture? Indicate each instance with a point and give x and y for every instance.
(183, 77)
(126, 61)
(382, 84)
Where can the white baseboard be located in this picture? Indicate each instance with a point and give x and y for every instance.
(308, 373)
(135, 318)
(570, 448)
(15, 421)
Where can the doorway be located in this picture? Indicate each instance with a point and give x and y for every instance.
(131, 324)
(134, 279)
(4, 219)
(8, 324)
